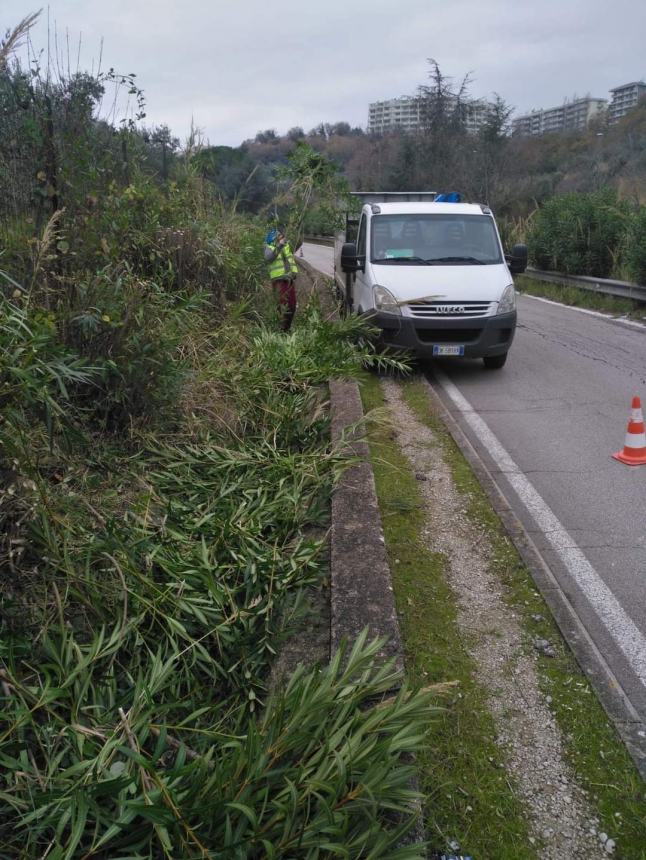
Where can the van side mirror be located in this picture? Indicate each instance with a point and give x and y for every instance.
(350, 262)
(517, 260)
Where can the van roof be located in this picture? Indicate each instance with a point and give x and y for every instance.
(430, 208)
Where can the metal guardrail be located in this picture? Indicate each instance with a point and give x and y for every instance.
(320, 240)
(605, 286)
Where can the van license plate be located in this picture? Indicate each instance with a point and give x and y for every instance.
(448, 350)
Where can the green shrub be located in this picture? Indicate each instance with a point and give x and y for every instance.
(317, 349)
(580, 234)
(94, 771)
(131, 329)
(37, 371)
(138, 721)
(635, 254)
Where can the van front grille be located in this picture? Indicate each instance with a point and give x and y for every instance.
(442, 310)
(448, 335)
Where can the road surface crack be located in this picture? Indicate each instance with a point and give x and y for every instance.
(583, 353)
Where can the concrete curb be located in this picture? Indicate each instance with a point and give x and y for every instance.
(361, 587)
(362, 593)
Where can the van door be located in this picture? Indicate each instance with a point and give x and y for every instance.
(361, 291)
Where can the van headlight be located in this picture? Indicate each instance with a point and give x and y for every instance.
(385, 301)
(507, 301)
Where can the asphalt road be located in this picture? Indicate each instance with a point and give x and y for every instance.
(546, 425)
(321, 257)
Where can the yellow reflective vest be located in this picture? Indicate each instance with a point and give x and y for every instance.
(283, 266)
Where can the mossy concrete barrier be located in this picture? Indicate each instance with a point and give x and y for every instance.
(362, 592)
(361, 587)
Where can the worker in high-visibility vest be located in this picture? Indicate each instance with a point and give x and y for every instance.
(282, 271)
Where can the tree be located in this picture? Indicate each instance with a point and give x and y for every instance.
(340, 128)
(443, 107)
(403, 176)
(267, 136)
(161, 147)
(311, 183)
(497, 125)
(235, 175)
(492, 145)
(442, 140)
(55, 150)
(321, 130)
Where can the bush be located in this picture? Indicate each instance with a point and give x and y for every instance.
(137, 717)
(92, 772)
(165, 463)
(635, 254)
(581, 234)
(130, 329)
(179, 237)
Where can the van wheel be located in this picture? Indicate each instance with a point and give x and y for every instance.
(495, 362)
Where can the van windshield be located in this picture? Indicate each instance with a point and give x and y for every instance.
(429, 239)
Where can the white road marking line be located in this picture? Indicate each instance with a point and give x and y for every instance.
(619, 625)
(633, 323)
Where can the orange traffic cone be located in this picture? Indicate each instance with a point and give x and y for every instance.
(634, 453)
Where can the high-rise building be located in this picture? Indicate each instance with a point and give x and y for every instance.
(574, 115)
(624, 99)
(402, 113)
(477, 112)
(407, 114)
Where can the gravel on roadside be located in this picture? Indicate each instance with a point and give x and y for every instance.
(562, 822)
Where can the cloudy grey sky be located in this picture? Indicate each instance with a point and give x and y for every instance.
(244, 65)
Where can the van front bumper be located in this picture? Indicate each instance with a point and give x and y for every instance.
(480, 336)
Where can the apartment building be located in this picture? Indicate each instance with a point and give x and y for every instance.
(405, 113)
(477, 112)
(575, 115)
(400, 113)
(624, 99)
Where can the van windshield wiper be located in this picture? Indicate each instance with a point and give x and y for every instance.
(404, 260)
(474, 260)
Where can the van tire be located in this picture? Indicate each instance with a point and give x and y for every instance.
(494, 362)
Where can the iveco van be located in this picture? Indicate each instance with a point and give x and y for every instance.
(431, 275)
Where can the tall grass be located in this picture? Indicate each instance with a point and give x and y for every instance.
(153, 582)
(596, 233)
(164, 457)
(15, 37)
(93, 769)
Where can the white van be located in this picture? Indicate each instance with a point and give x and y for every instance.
(432, 276)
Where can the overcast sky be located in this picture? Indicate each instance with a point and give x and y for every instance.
(240, 66)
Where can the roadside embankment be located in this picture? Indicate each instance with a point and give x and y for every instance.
(167, 485)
